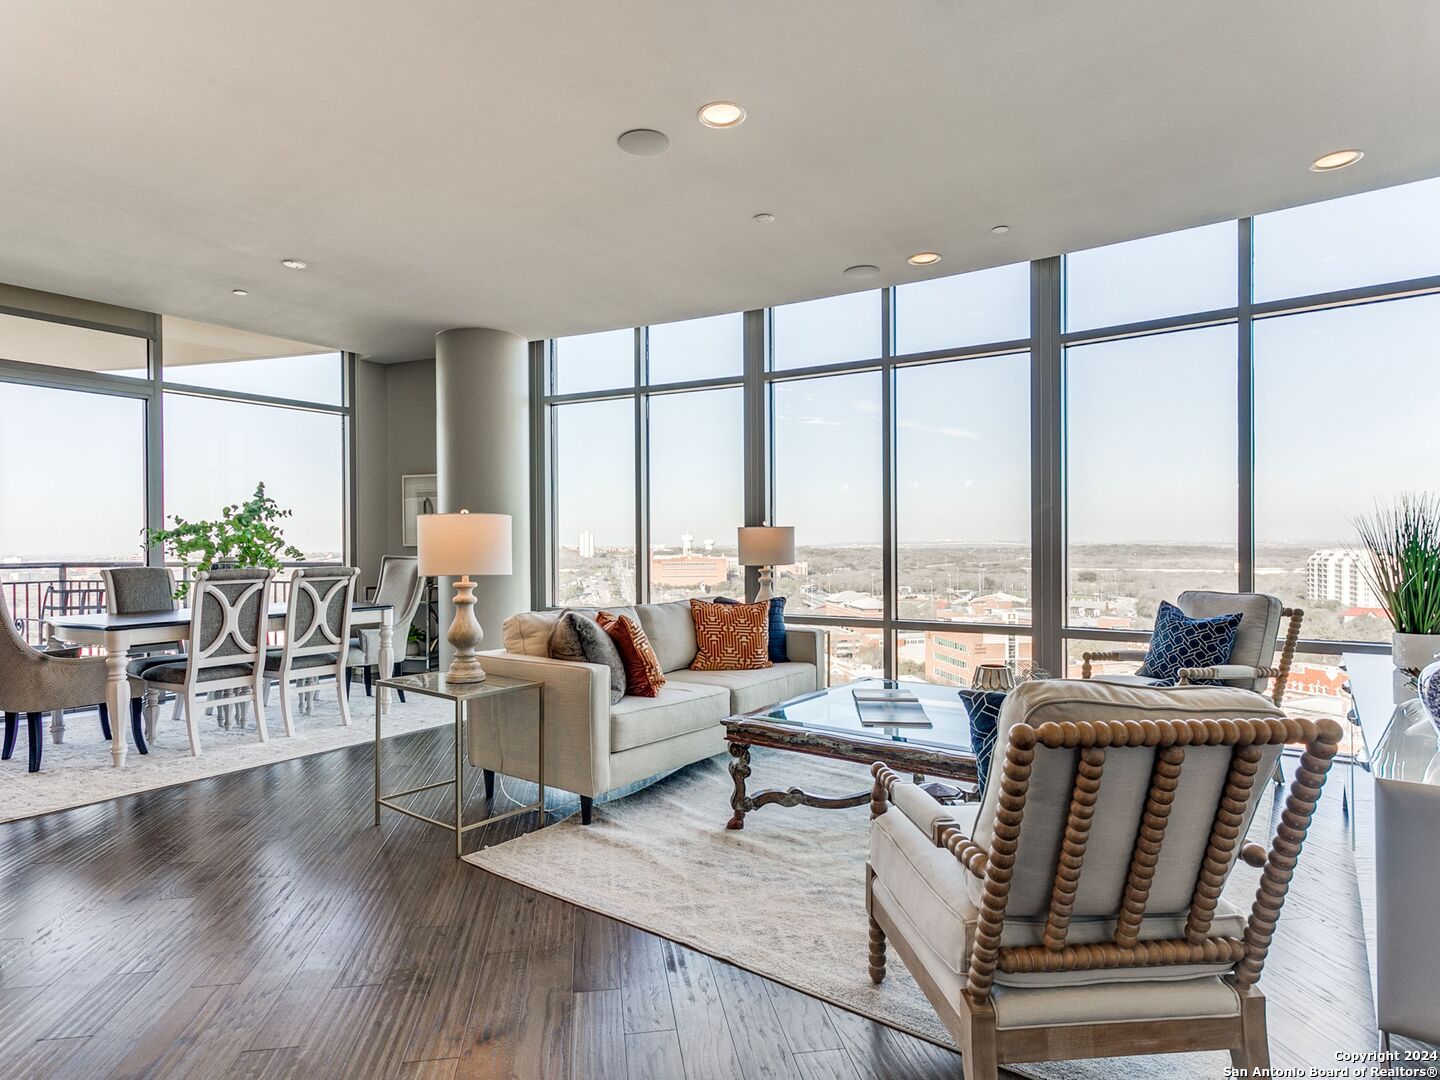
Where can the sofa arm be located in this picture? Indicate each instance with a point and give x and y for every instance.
(810, 645)
(576, 699)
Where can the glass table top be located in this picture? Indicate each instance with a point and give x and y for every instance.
(836, 710)
(1401, 741)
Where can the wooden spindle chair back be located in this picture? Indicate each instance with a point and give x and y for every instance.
(1188, 820)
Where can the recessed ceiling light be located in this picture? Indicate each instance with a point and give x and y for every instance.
(722, 114)
(923, 258)
(643, 142)
(294, 264)
(763, 219)
(240, 292)
(1000, 230)
(864, 270)
(1336, 159)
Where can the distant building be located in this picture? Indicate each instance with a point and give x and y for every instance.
(587, 544)
(688, 570)
(1336, 575)
(951, 656)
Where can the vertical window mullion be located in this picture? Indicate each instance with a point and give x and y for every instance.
(642, 467)
(889, 556)
(1245, 405)
(1047, 465)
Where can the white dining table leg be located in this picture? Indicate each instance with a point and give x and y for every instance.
(387, 660)
(119, 687)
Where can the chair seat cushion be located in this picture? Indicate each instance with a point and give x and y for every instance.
(301, 663)
(931, 888)
(1141, 1000)
(754, 688)
(677, 709)
(172, 672)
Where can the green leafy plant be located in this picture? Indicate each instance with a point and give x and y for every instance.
(246, 534)
(1401, 546)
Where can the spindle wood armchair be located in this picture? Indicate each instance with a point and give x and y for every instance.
(1077, 912)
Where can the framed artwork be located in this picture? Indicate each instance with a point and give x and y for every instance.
(419, 494)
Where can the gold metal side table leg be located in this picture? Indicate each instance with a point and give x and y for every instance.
(377, 757)
(459, 779)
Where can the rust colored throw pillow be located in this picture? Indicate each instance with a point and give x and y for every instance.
(730, 637)
(643, 676)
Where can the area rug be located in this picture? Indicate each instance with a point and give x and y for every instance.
(783, 898)
(78, 770)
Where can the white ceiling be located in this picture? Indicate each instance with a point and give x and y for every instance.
(453, 162)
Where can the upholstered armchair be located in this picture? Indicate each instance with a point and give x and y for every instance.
(1252, 660)
(1076, 911)
(34, 683)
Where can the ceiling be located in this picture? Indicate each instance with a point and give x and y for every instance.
(453, 163)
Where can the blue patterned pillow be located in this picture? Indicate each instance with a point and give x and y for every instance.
(1182, 642)
(984, 709)
(778, 653)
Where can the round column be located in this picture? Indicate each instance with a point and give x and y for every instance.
(482, 454)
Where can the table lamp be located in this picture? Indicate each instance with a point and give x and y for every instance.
(458, 545)
(766, 546)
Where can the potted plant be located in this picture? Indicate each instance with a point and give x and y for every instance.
(1401, 549)
(247, 535)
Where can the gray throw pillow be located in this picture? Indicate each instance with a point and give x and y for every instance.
(580, 639)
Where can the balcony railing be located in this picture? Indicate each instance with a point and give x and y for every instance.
(37, 591)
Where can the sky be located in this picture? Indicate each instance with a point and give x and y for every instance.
(1346, 406)
(1152, 422)
(80, 491)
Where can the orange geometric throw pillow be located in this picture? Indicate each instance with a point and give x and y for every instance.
(643, 676)
(731, 637)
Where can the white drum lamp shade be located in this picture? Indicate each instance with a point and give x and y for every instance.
(766, 546)
(458, 545)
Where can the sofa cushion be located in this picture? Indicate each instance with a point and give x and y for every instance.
(730, 637)
(578, 638)
(755, 688)
(779, 653)
(671, 630)
(643, 676)
(677, 709)
(528, 633)
(932, 888)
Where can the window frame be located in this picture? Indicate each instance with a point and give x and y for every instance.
(152, 390)
(1049, 628)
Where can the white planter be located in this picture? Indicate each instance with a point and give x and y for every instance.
(1414, 651)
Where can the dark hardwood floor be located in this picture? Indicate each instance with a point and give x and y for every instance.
(257, 925)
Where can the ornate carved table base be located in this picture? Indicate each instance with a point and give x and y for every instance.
(742, 803)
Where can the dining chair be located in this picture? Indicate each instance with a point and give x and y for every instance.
(317, 638)
(33, 682)
(1077, 910)
(402, 587)
(226, 650)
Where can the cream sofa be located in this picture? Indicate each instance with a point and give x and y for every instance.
(593, 747)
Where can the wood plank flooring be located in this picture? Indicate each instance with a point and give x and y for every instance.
(256, 925)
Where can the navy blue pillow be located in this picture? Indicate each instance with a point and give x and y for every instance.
(1182, 642)
(778, 653)
(984, 709)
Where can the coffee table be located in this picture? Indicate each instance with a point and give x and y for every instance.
(827, 724)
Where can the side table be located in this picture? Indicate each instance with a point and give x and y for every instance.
(463, 696)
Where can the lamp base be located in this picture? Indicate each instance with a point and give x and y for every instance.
(765, 580)
(465, 637)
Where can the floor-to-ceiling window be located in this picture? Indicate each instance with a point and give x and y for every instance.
(645, 436)
(1227, 398)
(107, 429)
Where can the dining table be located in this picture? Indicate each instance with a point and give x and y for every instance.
(118, 634)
